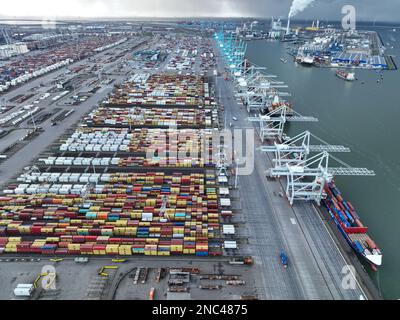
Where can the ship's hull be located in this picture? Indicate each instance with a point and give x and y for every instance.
(349, 225)
(344, 76)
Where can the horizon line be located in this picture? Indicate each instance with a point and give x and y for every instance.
(78, 18)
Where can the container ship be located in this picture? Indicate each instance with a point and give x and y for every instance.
(275, 103)
(347, 220)
(305, 60)
(348, 76)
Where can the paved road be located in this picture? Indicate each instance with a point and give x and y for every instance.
(25, 155)
(315, 262)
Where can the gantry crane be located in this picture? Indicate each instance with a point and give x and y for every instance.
(297, 149)
(273, 124)
(233, 50)
(306, 179)
(256, 88)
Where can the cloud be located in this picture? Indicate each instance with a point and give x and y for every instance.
(322, 9)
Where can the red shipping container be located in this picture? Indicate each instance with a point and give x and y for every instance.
(78, 239)
(90, 238)
(48, 252)
(76, 252)
(98, 247)
(127, 240)
(86, 248)
(61, 251)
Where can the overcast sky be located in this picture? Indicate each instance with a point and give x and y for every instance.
(381, 10)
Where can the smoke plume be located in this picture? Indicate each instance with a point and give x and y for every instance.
(299, 6)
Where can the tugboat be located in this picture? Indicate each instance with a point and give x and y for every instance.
(348, 76)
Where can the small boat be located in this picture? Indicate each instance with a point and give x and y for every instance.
(283, 60)
(348, 76)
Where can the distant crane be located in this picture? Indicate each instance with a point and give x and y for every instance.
(233, 50)
(6, 37)
(257, 88)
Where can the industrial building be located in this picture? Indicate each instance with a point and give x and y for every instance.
(360, 59)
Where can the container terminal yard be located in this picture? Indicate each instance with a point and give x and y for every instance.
(111, 181)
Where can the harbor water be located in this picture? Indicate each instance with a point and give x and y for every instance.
(363, 115)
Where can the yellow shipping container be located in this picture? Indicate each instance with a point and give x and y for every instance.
(163, 253)
(112, 248)
(150, 202)
(152, 240)
(99, 252)
(144, 224)
(119, 231)
(121, 223)
(130, 231)
(14, 239)
(136, 215)
(74, 246)
(125, 250)
(24, 229)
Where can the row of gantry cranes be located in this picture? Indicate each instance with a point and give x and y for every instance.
(305, 165)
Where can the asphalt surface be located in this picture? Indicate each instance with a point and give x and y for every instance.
(270, 223)
(315, 262)
(21, 159)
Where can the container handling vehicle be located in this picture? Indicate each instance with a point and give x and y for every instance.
(284, 259)
(242, 261)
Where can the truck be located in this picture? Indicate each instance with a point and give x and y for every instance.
(284, 259)
(242, 261)
(151, 294)
(23, 290)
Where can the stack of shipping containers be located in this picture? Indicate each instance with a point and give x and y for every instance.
(112, 201)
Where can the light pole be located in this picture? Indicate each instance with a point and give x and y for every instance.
(32, 118)
(236, 174)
